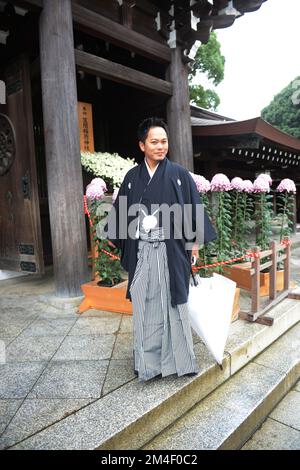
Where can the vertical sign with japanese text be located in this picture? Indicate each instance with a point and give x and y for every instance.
(85, 118)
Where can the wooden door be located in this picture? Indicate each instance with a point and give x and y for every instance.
(20, 228)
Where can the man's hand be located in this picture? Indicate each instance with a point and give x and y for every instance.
(195, 251)
(111, 244)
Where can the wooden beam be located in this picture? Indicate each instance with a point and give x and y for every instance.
(64, 171)
(98, 25)
(179, 113)
(121, 74)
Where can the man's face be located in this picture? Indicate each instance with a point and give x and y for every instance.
(156, 145)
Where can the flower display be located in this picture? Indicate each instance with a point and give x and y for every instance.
(96, 189)
(264, 209)
(237, 184)
(287, 185)
(261, 185)
(265, 177)
(202, 184)
(109, 166)
(241, 209)
(287, 189)
(247, 186)
(220, 182)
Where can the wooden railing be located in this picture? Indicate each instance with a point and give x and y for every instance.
(256, 314)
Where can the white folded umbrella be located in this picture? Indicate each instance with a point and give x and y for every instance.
(210, 306)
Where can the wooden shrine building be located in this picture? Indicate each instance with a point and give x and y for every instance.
(129, 59)
(245, 149)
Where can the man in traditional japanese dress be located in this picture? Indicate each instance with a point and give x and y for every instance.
(156, 246)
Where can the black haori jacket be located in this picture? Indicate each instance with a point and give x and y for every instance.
(170, 184)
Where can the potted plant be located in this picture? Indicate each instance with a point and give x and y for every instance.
(107, 290)
(207, 253)
(240, 272)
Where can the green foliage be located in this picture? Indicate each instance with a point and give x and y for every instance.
(242, 209)
(206, 252)
(284, 110)
(263, 217)
(210, 61)
(221, 211)
(285, 202)
(107, 268)
(205, 98)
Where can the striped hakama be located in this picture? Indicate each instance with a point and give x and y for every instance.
(163, 342)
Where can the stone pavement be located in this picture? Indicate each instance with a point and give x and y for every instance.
(54, 362)
(281, 431)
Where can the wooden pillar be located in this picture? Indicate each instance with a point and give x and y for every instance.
(179, 114)
(64, 174)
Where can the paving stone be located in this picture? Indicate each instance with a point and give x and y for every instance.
(197, 431)
(101, 326)
(274, 436)
(33, 349)
(71, 379)
(95, 313)
(286, 354)
(85, 347)
(34, 415)
(13, 326)
(120, 371)
(8, 409)
(87, 428)
(297, 386)
(50, 327)
(123, 347)
(288, 410)
(227, 406)
(126, 324)
(17, 379)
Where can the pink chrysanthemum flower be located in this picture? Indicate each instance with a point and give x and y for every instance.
(96, 189)
(261, 185)
(115, 194)
(247, 186)
(265, 177)
(287, 185)
(237, 184)
(203, 185)
(220, 182)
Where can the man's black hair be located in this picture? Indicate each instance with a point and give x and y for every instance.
(147, 124)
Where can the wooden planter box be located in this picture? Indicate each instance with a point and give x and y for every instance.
(240, 273)
(113, 299)
(110, 299)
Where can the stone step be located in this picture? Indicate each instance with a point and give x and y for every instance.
(136, 413)
(230, 415)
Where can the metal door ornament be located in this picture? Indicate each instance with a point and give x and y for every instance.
(7, 144)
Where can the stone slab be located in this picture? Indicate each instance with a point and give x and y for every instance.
(35, 415)
(71, 379)
(120, 372)
(228, 406)
(274, 436)
(91, 325)
(246, 340)
(49, 327)
(288, 410)
(17, 379)
(33, 349)
(98, 423)
(8, 409)
(123, 347)
(85, 347)
(297, 386)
